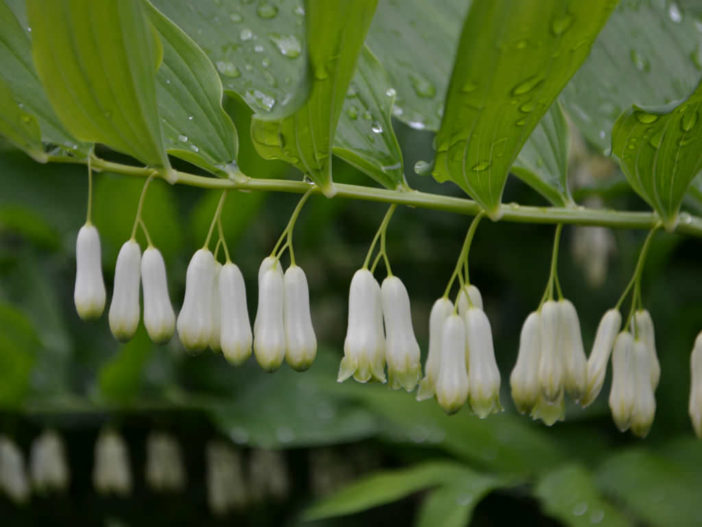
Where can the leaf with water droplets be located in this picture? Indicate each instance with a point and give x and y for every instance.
(18, 126)
(520, 56)
(189, 93)
(569, 494)
(665, 157)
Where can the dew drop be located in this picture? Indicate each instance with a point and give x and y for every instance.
(183, 138)
(228, 69)
(527, 107)
(482, 166)
(597, 516)
(580, 508)
(674, 13)
(656, 139)
(527, 85)
(190, 117)
(376, 128)
(288, 45)
(561, 24)
(235, 17)
(352, 112)
(639, 61)
(258, 48)
(194, 148)
(352, 90)
(416, 124)
(299, 10)
(397, 111)
(261, 99)
(390, 92)
(468, 87)
(521, 122)
(646, 118)
(245, 34)
(688, 121)
(367, 115)
(168, 81)
(267, 11)
(422, 86)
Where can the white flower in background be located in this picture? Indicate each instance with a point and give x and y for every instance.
(644, 408)
(269, 327)
(440, 311)
(111, 472)
(483, 373)
(401, 348)
(47, 463)
(159, 317)
(574, 360)
(623, 391)
(226, 488)
(551, 367)
(268, 476)
(216, 329)
(236, 337)
(452, 381)
(695, 406)
(300, 340)
(469, 297)
(89, 293)
(195, 318)
(13, 476)
(124, 310)
(524, 379)
(164, 463)
(364, 346)
(597, 362)
(591, 249)
(645, 332)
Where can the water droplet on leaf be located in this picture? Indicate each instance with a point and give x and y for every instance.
(646, 118)
(639, 61)
(228, 69)
(352, 112)
(480, 167)
(561, 24)
(183, 138)
(246, 34)
(377, 128)
(288, 45)
(235, 17)
(422, 86)
(527, 85)
(267, 11)
(688, 121)
(674, 13)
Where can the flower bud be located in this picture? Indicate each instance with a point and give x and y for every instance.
(300, 340)
(695, 406)
(469, 297)
(551, 367)
(452, 382)
(164, 463)
(623, 391)
(401, 348)
(236, 336)
(644, 408)
(607, 331)
(440, 311)
(644, 331)
(124, 309)
(48, 467)
(483, 373)
(573, 353)
(195, 318)
(216, 329)
(549, 411)
(364, 346)
(159, 317)
(89, 293)
(524, 379)
(269, 328)
(13, 477)
(111, 472)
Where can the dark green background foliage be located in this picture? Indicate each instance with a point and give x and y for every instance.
(58, 371)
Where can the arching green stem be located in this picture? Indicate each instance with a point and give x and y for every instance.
(462, 262)
(140, 206)
(215, 218)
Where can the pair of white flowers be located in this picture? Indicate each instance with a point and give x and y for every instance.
(461, 362)
(132, 269)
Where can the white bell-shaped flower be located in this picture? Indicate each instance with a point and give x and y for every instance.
(597, 362)
(13, 476)
(111, 472)
(402, 353)
(164, 463)
(364, 346)
(549, 411)
(195, 318)
(645, 332)
(47, 463)
(159, 317)
(695, 405)
(236, 337)
(300, 340)
(452, 382)
(469, 297)
(216, 330)
(644, 408)
(524, 380)
(440, 311)
(483, 373)
(551, 367)
(89, 293)
(623, 392)
(226, 488)
(124, 310)
(269, 328)
(573, 352)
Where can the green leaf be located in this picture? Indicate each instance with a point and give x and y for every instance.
(512, 61)
(543, 162)
(121, 377)
(452, 505)
(365, 140)
(386, 487)
(21, 80)
(18, 347)
(569, 495)
(189, 93)
(301, 132)
(659, 491)
(98, 61)
(648, 53)
(19, 127)
(659, 152)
